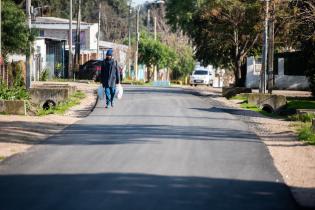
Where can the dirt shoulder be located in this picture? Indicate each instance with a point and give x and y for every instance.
(18, 133)
(295, 160)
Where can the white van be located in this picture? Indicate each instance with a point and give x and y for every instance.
(201, 76)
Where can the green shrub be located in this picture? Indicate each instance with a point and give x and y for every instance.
(301, 104)
(306, 133)
(302, 117)
(14, 93)
(44, 75)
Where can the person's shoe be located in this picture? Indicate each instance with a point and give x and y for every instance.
(107, 106)
(112, 104)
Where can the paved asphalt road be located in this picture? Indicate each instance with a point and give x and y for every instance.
(158, 149)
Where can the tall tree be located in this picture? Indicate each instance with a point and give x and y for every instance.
(154, 53)
(15, 35)
(223, 32)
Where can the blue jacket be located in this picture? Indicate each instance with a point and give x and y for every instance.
(109, 73)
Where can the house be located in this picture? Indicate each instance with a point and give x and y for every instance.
(289, 72)
(58, 29)
(51, 47)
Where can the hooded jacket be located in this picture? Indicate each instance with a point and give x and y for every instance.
(109, 73)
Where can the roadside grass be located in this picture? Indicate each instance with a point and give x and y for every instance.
(302, 122)
(254, 108)
(239, 97)
(61, 108)
(301, 104)
(305, 132)
(302, 117)
(2, 158)
(134, 82)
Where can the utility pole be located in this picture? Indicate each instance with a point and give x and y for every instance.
(99, 28)
(78, 36)
(0, 31)
(155, 67)
(137, 45)
(148, 20)
(155, 28)
(265, 53)
(129, 40)
(70, 43)
(271, 49)
(29, 57)
(1, 59)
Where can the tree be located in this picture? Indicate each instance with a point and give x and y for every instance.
(223, 32)
(154, 53)
(184, 63)
(305, 35)
(15, 35)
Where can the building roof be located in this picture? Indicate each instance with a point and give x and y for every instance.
(50, 38)
(111, 45)
(58, 23)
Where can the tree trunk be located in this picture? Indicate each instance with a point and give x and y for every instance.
(238, 72)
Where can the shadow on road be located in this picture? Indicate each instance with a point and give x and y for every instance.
(123, 191)
(83, 134)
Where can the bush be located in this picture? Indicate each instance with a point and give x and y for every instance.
(306, 133)
(14, 93)
(44, 75)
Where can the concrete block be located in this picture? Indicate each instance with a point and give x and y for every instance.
(13, 107)
(275, 102)
(40, 95)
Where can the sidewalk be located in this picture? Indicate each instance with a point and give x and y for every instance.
(294, 159)
(18, 133)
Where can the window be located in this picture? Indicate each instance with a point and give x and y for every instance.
(200, 72)
(41, 33)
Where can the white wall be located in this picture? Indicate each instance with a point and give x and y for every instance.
(40, 48)
(281, 81)
(92, 37)
(90, 34)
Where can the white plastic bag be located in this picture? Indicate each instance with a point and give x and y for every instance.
(119, 91)
(100, 92)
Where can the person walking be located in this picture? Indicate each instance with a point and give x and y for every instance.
(110, 77)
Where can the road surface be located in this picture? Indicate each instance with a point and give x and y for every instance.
(158, 149)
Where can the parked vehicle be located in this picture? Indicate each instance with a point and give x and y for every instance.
(91, 70)
(201, 76)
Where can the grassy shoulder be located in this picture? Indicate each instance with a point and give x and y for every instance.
(61, 108)
(301, 122)
(301, 104)
(305, 132)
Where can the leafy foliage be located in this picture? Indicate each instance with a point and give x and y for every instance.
(224, 32)
(44, 75)
(153, 52)
(13, 93)
(306, 134)
(184, 64)
(15, 35)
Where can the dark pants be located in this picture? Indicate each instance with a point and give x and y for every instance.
(110, 94)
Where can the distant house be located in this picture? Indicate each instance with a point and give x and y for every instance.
(51, 47)
(49, 54)
(289, 71)
(58, 28)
